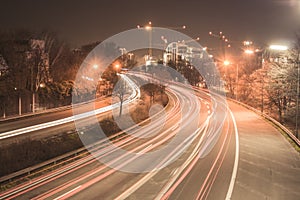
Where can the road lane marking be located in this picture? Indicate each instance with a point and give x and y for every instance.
(67, 193)
(145, 149)
(175, 127)
(236, 160)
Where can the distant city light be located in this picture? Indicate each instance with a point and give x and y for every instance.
(247, 43)
(278, 47)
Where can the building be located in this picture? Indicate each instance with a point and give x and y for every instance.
(177, 51)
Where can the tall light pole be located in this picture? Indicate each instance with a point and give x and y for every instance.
(237, 81)
(19, 101)
(148, 27)
(297, 97)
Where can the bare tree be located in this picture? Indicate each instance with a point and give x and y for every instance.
(120, 91)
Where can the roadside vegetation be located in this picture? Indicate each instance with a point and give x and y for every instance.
(28, 152)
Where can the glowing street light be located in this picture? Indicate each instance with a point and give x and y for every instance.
(95, 66)
(117, 66)
(247, 43)
(148, 27)
(278, 47)
(226, 63)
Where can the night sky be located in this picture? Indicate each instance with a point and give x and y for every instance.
(83, 21)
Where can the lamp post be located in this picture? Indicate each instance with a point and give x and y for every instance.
(19, 101)
(226, 63)
(148, 27)
(297, 97)
(237, 81)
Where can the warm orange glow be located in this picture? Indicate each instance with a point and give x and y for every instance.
(184, 27)
(226, 63)
(95, 66)
(42, 85)
(117, 66)
(247, 43)
(148, 27)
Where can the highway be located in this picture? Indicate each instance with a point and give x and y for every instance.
(209, 148)
(20, 127)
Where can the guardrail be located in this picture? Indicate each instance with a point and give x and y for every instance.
(30, 169)
(46, 111)
(275, 122)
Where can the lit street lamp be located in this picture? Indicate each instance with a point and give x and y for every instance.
(148, 27)
(226, 63)
(19, 101)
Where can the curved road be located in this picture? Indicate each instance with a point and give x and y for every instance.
(225, 152)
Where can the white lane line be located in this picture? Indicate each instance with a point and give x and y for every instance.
(145, 149)
(67, 193)
(175, 127)
(236, 160)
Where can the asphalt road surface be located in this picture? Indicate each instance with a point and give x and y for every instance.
(224, 151)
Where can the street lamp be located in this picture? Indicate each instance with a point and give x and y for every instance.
(297, 97)
(148, 27)
(227, 63)
(95, 66)
(19, 101)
